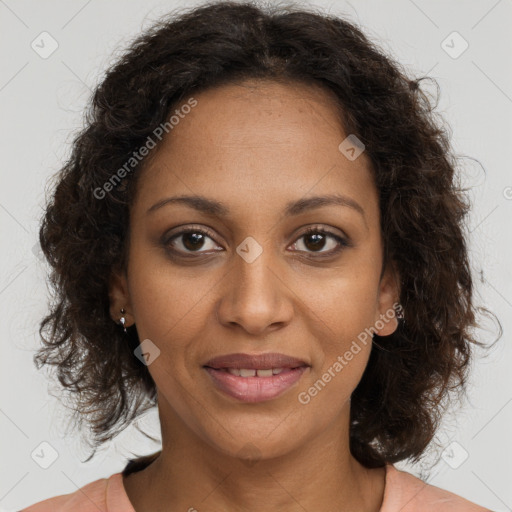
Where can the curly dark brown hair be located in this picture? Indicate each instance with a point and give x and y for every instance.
(398, 404)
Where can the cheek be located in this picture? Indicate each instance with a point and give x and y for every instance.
(347, 303)
(347, 307)
(168, 301)
(346, 345)
(349, 313)
(170, 310)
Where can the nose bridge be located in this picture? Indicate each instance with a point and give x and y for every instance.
(254, 272)
(254, 297)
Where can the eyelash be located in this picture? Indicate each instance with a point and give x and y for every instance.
(342, 242)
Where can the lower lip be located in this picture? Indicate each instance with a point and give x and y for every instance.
(256, 389)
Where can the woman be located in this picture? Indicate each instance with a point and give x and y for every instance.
(259, 232)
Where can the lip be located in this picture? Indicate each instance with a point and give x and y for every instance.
(255, 361)
(255, 389)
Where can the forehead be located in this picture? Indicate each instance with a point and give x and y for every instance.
(257, 145)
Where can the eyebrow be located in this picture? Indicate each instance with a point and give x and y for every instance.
(218, 209)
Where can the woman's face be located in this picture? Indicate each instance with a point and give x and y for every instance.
(254, 282)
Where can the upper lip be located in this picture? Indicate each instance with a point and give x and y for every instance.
(255, 361)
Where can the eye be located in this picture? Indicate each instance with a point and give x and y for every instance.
(316, 239)
(190, 240)
(195, 240)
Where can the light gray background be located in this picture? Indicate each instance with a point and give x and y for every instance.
(42, 102)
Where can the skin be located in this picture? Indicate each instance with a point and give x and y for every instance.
(255, 147)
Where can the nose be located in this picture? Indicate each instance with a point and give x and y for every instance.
(255, 297)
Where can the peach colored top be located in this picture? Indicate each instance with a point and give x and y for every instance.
(403, 492)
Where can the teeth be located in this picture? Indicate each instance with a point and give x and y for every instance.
(245, 372)
(264, 373)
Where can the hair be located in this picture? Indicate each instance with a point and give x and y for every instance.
(398, 404)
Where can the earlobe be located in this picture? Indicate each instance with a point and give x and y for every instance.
(119, 297)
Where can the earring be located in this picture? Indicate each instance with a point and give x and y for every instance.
(123, 319)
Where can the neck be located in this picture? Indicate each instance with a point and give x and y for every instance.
(190, 474)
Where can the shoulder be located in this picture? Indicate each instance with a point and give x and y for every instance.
(407, 493)
(106, 494)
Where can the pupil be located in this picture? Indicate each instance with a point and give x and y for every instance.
(318, 243)
(197, 240)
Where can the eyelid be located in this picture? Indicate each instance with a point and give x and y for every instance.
(324, 229)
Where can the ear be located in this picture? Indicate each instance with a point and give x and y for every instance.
(388, 301)
(119, 297)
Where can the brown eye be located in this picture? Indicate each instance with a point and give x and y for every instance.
(315, 240)
(192, 240)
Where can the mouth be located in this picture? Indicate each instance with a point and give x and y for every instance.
(255, 378)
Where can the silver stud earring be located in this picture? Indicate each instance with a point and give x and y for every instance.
(123, 319)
